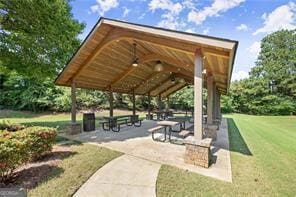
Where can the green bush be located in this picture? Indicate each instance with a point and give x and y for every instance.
(6, 125)
(17, 148)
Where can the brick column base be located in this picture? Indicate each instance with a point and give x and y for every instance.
(73, 128)
(210, 131)
(198, 152)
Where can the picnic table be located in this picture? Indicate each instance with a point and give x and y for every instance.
(181, 120)
(168, 124)
(114, 122)
(163, 114)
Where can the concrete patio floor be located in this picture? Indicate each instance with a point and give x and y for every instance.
(137, 142)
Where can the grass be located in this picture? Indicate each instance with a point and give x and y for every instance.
(73, 171)
(263, 157)
(58, 120)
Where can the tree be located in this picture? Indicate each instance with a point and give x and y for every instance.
(37, 36)
(271, 87)
(277, 62)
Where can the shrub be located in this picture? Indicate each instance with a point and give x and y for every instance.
(6, 125)
(17, 148)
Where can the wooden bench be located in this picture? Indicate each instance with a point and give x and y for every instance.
(157, 129)
(185, 133)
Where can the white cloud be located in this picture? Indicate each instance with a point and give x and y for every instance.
(142, 16)
(206, 31)
(283, 17)
(168, 5)
(126, 11)
(239, 75)
(103, 6)
(255, 48)
(216, 8)
(242, 27)
(188, 4)
(170, 18)
(190, 30)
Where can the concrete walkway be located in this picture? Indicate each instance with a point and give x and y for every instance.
(136, 141)
(124, 176)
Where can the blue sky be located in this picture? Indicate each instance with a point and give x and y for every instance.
(247, 21)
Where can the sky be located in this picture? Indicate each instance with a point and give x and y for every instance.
(246, 21)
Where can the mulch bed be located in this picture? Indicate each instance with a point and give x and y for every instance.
(31, 174)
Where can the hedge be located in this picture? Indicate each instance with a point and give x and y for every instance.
(6, 125)
(17, 148)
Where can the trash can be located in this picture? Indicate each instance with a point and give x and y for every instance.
(89, 122)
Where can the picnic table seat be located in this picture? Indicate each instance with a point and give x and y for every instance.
(115, 124)
(157, 129)
(104, 123)
(136, 121)
(119, 122)
(187, 132)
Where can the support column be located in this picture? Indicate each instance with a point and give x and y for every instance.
(168, 103)
(149, 106)
(73, 100)
(110, 103)
(219, 105)
(134, 103)
(198, 95)
(214, 102)
(210, 100)
(74, 127)
(159, 102)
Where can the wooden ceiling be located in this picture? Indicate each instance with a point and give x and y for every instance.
(104, 60)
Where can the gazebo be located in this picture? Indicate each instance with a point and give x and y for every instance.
(137, 59)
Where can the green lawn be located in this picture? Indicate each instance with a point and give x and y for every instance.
(74, 170)
(263, 158)
(59, 120)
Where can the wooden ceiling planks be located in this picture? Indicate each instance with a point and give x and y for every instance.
(106, 56)
(173, 89)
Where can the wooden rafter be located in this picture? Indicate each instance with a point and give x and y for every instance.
(157, 85)
(173, 89)
(172, 61)
(163, 87)
(105, 42)
(155, 57)
(146, 80)
(218, 53)
(102, 61)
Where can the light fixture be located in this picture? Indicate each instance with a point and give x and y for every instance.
(173, 79)
(135, 61)
(204, 71)
(158, 67)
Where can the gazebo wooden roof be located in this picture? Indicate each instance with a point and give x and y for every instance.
(104, 60)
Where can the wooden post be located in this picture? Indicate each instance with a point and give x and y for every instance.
(168, 103)
(198, 94)
(73, 100)
(134, 102)
(110, 103)
(159, 102)
(210, 100)
(219, 105)
(149, 105)
(214, 102)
